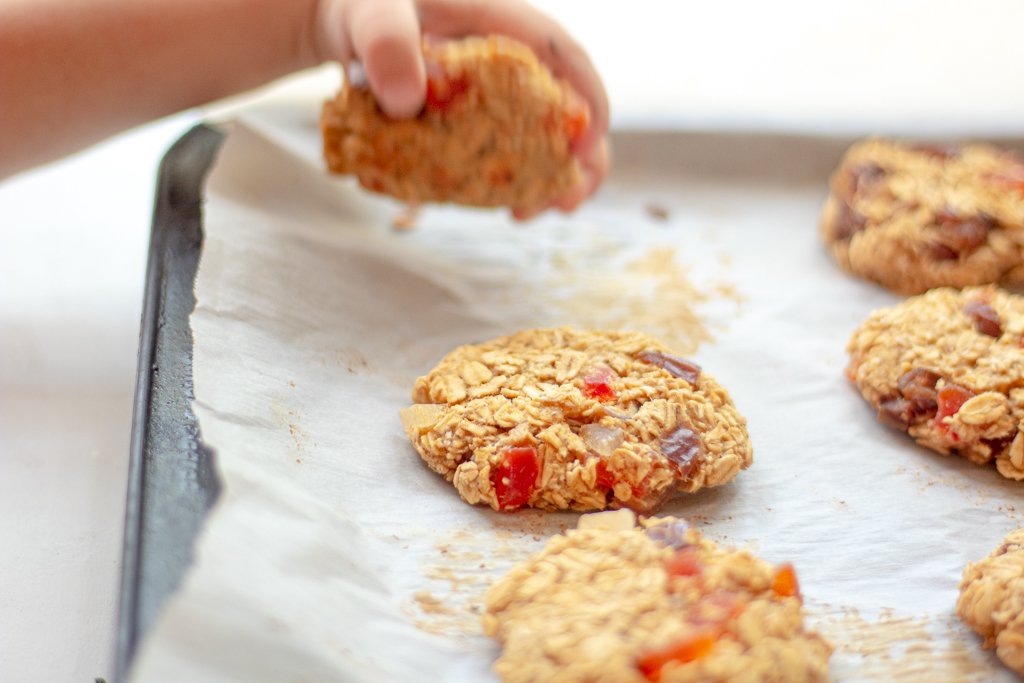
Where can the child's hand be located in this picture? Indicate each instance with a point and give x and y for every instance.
(384, 35)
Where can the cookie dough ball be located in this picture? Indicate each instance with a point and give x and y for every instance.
(992, 600)
(610, 602)
(497, 130)
(577, 419)
(916, 217)
(947, 367)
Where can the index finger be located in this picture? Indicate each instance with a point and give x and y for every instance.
(545, 36)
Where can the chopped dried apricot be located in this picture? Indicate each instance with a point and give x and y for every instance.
(676, 366)
(683, 651)
(604, 477)
(442, 90)
(685, 563)
(785, 584)
(950, 398)
(597, 385)
(516, 477)
(577, 116)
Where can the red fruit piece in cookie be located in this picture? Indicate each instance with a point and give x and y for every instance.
(598, 384)
(684, 563)
(785, 584)
(442, 90)
(516, 477)
(950, 398)
(683, 651)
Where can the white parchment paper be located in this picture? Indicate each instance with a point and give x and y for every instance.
(334, 554)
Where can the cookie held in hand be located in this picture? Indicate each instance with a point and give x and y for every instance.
(497, 129)
(612, 602)
(947, 367)
(916, 217)
(565, 418)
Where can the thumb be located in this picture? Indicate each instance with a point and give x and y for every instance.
(385, 36)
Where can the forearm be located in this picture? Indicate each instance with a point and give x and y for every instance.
(75, 71)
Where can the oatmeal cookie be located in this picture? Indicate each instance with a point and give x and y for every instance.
(610, 602)
(497, 130)
(913, 218)
(992, 600)
(948, 368)
(566, 418)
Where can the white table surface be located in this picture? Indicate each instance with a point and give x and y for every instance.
(74, 234)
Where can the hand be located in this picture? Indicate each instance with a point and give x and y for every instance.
(384, 35)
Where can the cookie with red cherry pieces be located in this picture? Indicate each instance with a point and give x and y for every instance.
(947, 367)
(992, 600)
(613, 602)
(916, 217)
(564, 418)
(497, 130)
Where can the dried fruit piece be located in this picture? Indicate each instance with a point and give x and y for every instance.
(442, 90)
(918, 387)
(683, 651)
(1001, 444)
(940, 252)
(986, 319)
(646, 501)
(937, 150)
(600, 439)
(672, 534)
(949, 399)
(848, 222)
(684, 563)
(963, 235)
(577, 116)
(516, 476)
(597, 385)
(604, 477)
(867, 175)
(897, 412)
(676, 366)
(785, 584)
(682, 447)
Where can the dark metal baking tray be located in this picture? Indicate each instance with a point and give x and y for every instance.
(171, 479)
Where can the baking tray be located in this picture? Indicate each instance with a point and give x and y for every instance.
(172, 482)
(171, 477)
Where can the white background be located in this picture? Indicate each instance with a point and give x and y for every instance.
(73, 239)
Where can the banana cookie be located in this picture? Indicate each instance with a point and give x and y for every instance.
(566, 418)
(497, 130)
(612, 602)
(947, 367)
(916, 217)
(992, 600)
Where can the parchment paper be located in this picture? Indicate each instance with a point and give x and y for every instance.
(335, 554)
